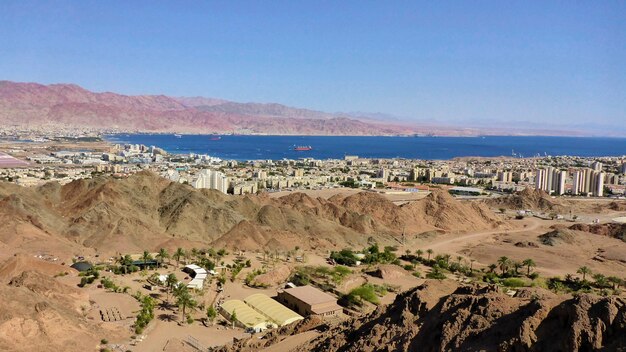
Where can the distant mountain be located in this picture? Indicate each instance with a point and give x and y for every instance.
(193, 102)
(268, 110)
(35, 104)
(32, 104)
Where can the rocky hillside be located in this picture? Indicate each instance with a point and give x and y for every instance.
(68, 104)
(611, 230)
(438, 316)
(146, 211)
(531, 199)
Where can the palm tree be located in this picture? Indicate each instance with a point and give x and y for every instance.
(601, 280)
(179, 253)
(517, 265)
(419, 253)
(170, 281)
(528, 263)
(162, 255)
(504, 263)
(472, 265)
(184, 300)
(458, 259)
(145, 257)
(125, 262)
(492, 267)
(430, 252)
(584, 271)
(408, 251)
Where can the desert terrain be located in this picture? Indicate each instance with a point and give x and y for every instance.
(435, 263)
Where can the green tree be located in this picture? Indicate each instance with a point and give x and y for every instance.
(211, 314)
(419, 253)
(185, 300)
(446, 259)
(162, 255)
(146, 257)
(504, 263)
(430, 252)
(170, 282)
(528, 263)
(584, 271)
(125, 262)
(601, 280)
(179, 253)
(516, 266)
(233, 317)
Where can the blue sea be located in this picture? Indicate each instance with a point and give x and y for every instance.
(245, 147)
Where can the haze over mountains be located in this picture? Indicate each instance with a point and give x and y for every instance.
(33, 104)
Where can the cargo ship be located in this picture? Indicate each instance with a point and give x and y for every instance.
(302, 148)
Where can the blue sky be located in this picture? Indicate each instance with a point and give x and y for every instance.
(547, 62)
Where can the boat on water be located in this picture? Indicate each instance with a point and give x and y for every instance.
(215, 138)
(302, 148)
(178, 135)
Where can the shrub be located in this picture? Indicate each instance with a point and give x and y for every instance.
(513, 282)
(436, 273)
(344, 257)
(366, 292)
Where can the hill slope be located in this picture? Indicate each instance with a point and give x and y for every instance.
(145, 211)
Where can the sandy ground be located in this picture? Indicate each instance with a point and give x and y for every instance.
(161, 332)
(601, 254)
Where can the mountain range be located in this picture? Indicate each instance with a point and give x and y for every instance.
(35, 104)
(69, 105)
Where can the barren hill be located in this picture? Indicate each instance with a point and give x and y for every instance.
(145, 211)
(532, 199)
(68, 104)
(45, 314)
(436, 317)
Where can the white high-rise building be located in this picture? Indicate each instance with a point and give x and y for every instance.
(211, 179)
(551, 180)
(598, 184)
(596, 166)
(587, 181)
(623, 168)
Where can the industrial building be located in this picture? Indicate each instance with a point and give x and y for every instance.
(308, 300)
(270, 308)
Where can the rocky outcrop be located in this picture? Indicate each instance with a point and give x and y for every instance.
(482, 319)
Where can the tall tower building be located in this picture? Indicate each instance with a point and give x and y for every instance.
(212, 179)
(597, 184)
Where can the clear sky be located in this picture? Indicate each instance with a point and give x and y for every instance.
(538, 61)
